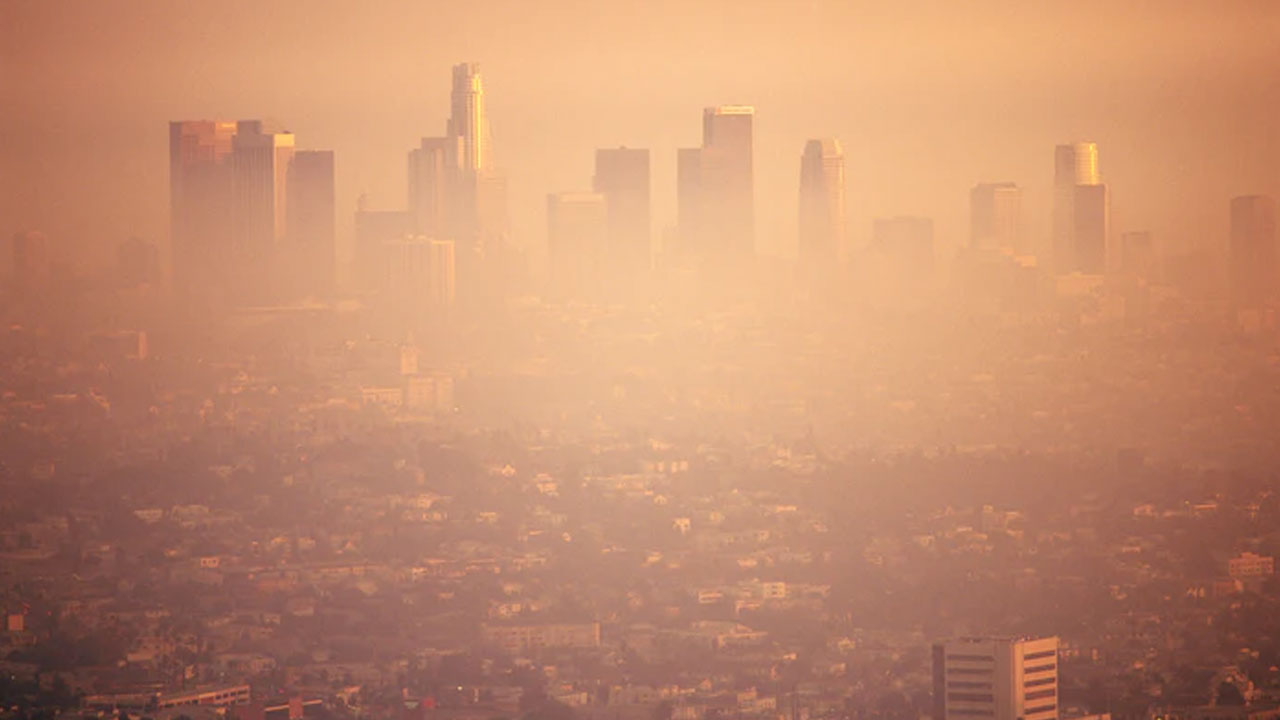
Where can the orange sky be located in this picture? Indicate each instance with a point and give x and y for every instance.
(927, 97)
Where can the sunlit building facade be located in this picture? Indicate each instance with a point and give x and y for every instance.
(1081, 208)
(995, 679)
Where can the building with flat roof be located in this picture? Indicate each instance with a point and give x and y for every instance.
(995, 679)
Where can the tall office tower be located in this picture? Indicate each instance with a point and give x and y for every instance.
(1253, 249)
(434, 171)
(1080, 210)
(1138, 255)
(995, 216)
(622, 177)
(234, 233)
(201, 204)
(719, 200)
(467, 119)
(996, 679)
(261, 160)
(309, 258)
(822, 209)
(577, 234)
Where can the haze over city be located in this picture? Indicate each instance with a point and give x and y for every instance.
(928, 97)
(639, 361)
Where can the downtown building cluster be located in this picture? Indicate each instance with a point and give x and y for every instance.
(253, 224)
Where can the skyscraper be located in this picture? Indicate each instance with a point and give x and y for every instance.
(310, 253)
(1253, 251)
(233, 233)
(622, 177)
(434, 172)
(717, 188)
(1080, 210)
(467, 119)
(996, 679)
(201, 192)
(822, 204)
(577, 233)
(995, 217)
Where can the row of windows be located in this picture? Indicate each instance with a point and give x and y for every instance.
(1040, 681)
(1038, 655)
(984, 658)
(1041, 708)
(971, 697)
(1051, 692)
(969, 671)
(971, 711)
(1040, 668)
(967, 684)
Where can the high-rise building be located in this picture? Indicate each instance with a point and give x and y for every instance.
(309, 256)
(822, 204)
(577, 237)
(1253, 250)
(457, 192)
(995, 679)
(622, 177)
(234, 234)
(434, 172)
(1080, 211)
(261, 160)
(716, 187)
(995, 216)
(201, 203)
(467, 119)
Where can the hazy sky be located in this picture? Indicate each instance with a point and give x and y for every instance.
(928, 98)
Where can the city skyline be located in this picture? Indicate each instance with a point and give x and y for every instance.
(640, 360)
(876, 141)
